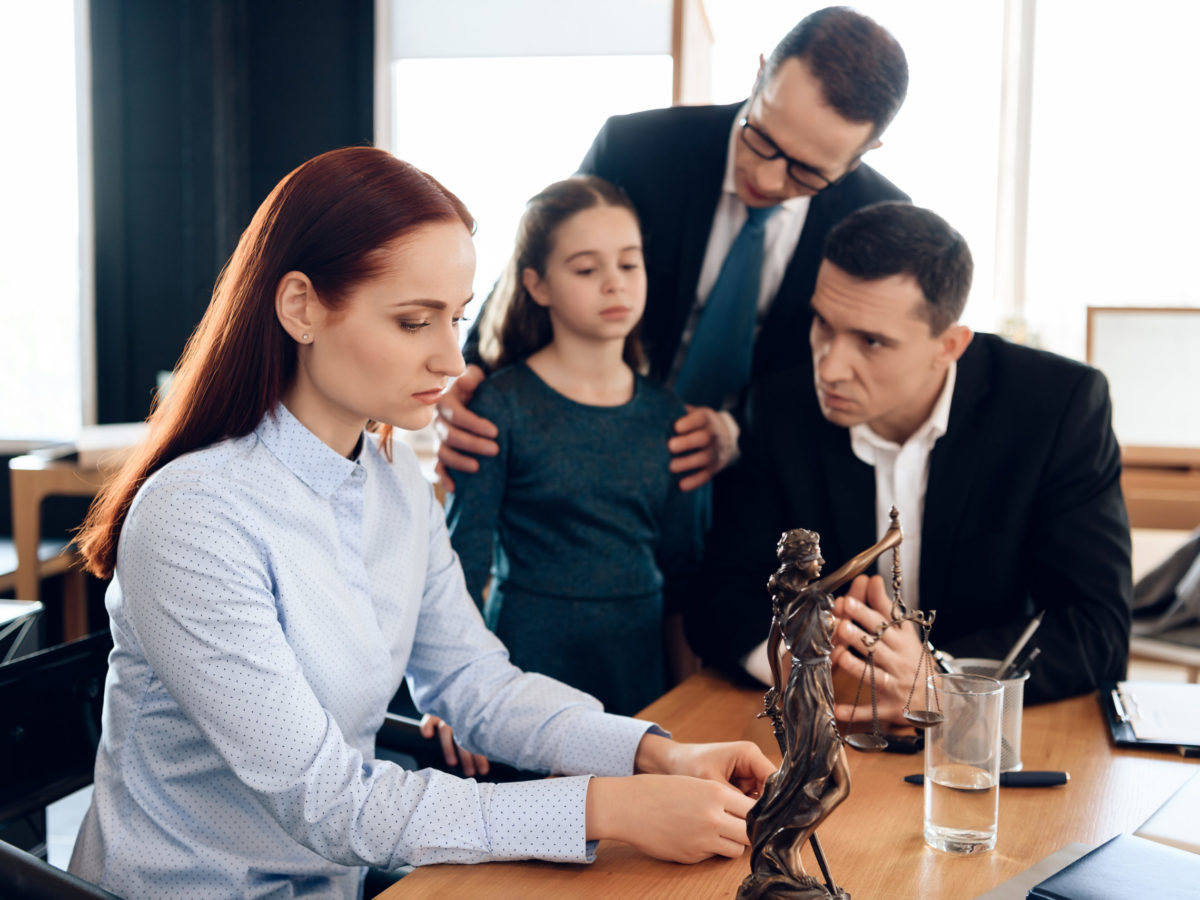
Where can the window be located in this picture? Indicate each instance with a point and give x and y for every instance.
(43, 258)
(497, 101)
(1113, 192)
(498, 130)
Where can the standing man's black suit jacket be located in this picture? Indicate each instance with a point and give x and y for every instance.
(671, 162)
(1023, 511)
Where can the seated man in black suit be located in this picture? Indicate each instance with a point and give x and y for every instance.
(821, 101)
(1001, 460)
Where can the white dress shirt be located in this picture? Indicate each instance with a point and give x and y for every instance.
(901, 477)
(269, 596)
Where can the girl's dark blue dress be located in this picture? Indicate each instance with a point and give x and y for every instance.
(576, 521)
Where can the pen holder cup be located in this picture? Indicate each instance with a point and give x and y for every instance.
(1013, 702)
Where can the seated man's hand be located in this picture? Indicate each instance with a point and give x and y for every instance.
(462, 435)
(737, 763)
(704, 444)
(472, 763)
(897, 654)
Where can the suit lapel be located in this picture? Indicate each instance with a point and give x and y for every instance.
(807, 256)
(849, 493)
(787, 322)
(697, 207)
(698, 213)
(952, 470)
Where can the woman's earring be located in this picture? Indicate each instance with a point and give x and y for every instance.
(306, 338)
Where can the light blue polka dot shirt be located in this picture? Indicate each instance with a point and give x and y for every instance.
(269, 596)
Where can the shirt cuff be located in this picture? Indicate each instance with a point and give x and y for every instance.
(727, 448)
(544, 819)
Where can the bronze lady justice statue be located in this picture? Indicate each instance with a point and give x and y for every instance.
(814, 776)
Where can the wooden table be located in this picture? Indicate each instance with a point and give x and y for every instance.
(33, 480)
(1161, 486)
(873, 840)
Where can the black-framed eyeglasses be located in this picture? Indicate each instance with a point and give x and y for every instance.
(802, 174)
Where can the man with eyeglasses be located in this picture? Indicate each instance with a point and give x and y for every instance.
(735, 202)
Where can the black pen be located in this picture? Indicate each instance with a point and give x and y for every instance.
(1004, 668)
(1016, 779)
(939, 659)
(1021, 668)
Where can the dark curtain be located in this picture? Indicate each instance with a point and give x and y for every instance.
(199, 108)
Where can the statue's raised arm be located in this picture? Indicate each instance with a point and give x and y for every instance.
(860, 562)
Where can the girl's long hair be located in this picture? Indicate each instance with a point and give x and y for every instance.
(327, 219)
(513, 325)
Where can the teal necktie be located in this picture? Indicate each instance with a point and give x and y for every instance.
(718, 358)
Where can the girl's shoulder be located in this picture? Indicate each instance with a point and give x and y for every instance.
(503, 389)
(518, 390)
(658, 397)
(511, 377)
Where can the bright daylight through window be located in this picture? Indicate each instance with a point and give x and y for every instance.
(40, 347)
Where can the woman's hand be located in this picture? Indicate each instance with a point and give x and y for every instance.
(897, 654)
(739, 764)
(472, 763)
(675, 818)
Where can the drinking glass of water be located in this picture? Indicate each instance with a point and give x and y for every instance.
(962, 765)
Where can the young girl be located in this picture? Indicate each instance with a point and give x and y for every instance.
(276, 572)
(585, 512)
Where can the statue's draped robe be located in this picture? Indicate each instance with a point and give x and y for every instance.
(794, 799)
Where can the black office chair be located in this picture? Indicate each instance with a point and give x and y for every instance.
(50, 704)
(24, 876)
(402, 735)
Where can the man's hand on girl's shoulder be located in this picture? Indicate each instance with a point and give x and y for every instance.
(462, 435)
(705, 442)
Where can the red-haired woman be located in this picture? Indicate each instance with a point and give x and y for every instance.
(276, 573)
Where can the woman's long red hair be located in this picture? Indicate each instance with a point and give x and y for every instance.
(325, 219)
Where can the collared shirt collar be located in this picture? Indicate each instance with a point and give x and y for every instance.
(729, 186)
(864, 441)
(309, 458)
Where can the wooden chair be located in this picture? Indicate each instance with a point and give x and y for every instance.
(48, 563)
(33, 480)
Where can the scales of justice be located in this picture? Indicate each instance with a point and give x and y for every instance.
(814, 776)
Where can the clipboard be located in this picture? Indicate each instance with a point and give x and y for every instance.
(1118, 703)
